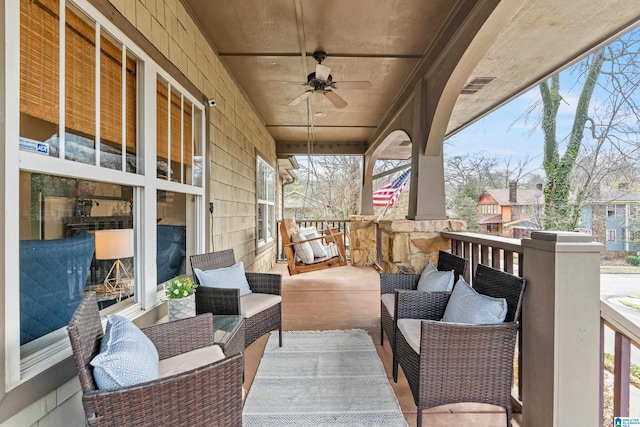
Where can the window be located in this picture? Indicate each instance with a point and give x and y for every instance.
(115, 73)
(611, 235)
(178, 156)
(611, 211)
(79, 128)
(265, 183)
(60, 255)
(174, 234)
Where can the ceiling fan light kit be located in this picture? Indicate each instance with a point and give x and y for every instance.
(321, 81)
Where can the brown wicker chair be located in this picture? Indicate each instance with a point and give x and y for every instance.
(457, 362)
(208, 395)
(390, 282)
(227, 301)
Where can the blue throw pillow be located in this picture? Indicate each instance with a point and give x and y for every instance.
(228, 277)
(127, 356)
(436, 281)
(468, 306)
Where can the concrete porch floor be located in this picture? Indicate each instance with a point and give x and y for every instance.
(349, 298)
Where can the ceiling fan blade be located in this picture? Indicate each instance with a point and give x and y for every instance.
(288, 82)
(352, 85)
(301, 97)
(322, 72)
(335, 99)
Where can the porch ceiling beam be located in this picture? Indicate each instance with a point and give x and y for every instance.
(321, 148)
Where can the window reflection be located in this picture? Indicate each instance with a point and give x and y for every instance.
(58, 220)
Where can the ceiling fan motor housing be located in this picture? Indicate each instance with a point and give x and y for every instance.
(317, 84)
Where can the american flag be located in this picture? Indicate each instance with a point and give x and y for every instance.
(387, 195)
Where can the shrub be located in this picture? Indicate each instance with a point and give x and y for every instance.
(633, 260)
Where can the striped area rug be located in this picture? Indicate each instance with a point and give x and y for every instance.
(332, 378)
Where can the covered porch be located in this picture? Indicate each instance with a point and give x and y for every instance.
(349, 298)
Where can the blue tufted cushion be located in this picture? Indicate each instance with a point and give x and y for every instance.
(468, 306)
(436, 281)
(232, 277)
(127, 356)
(53, 275)
(171, 244)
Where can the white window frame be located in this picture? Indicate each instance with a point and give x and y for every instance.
(19, 370)
(269, 204)
(611, 233)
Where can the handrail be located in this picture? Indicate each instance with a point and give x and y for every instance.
(627, 333)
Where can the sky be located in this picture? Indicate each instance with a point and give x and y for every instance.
(509, 132)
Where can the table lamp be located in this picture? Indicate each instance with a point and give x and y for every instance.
(115, 244)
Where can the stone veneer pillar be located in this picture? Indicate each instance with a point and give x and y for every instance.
(362, 240)
(561, 330)
(406, 246)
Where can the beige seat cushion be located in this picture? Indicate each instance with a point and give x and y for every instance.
(389, 301)
(255, 303)
(411, 330)
(190, 360)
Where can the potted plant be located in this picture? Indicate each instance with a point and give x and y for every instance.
(181, 301)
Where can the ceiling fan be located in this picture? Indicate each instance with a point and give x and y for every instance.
(321, 81)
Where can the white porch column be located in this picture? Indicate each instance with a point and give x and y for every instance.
(561, 330)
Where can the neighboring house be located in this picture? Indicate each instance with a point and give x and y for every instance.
(612, 219)
(509, 212)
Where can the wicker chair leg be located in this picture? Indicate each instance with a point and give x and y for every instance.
(419, 423)
(381, 335)
(509, 415)
(280, 332)
(395, 368)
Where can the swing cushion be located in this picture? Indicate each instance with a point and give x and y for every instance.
(303, 250)
(316, 245)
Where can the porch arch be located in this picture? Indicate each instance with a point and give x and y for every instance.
(366, 202)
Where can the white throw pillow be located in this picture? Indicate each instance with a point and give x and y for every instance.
(468, 306)
(303, 250)
(127, 356)
(436, 281)
(232, 277)
(316, 245)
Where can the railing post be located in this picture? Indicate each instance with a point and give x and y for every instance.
(561, 330)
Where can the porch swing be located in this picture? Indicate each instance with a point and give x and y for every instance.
(308, 249)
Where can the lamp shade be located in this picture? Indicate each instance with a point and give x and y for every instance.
(114, 244)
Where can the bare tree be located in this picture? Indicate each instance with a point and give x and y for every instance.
(333, 182)
(607, 82)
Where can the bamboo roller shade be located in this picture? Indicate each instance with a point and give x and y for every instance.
(39, 82)
(162, 120)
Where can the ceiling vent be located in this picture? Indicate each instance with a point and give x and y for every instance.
(476, 84)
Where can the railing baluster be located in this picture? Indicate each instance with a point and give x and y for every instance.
(495, 258)
(601, 416)
(484, 255)
(508, 261)
(621, 372)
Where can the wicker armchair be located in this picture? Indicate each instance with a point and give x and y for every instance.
(390, 282)
(459, 362)
(228, 301)
(208, 395)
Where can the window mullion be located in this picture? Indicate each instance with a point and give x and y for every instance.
(181, 138)
(123, 109)
(62, 80)
(98, 100)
